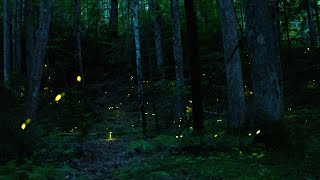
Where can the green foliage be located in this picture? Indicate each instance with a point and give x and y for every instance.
(29, 170)
(140, 146)
(165, 140)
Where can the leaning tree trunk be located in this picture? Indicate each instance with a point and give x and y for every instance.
(77, 31)
(156, 18)
(266, 70)
(138, 64)
(312, 33)
(178, 57)
(6, 44)
(235, 92)
(38, 56)
(197, 109)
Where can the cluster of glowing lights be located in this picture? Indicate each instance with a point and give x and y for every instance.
(24, 125)
(181, 136)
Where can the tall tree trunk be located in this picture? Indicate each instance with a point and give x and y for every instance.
(38, 56)
(312, 34)
(13, 35)
(178, 57)
(286, 22)
(235, 92)
(29, 26)
(6, 44)
(316, 10)
(139, 66)
(77, 31)
(264, 53)
(197, 109)
(16, 36)
(156, 18)
(17, 67)
(113, 23)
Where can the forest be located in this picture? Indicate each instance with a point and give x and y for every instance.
(160, 89)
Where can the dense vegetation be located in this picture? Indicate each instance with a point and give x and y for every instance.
(154, 89)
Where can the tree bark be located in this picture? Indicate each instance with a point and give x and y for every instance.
(235, 92)
(16, 36)
(312, 34)
(6, 44)
(38, 56)
(316, 10)
(138, 65)
(29, 26)
(195, 66)
(77, 31)
(178, 57)
(113, 23)
(264, 53)
(156, 18)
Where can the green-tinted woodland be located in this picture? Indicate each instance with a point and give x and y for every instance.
(160, 89)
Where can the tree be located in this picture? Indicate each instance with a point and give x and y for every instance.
(195, 66)
(38, 55)
(312, 33)
(113, 23)
(264, 53)
(178, 57)
(138, 65)
(16, 36)
(235, 92)
(6, 44)
(77, 31)
(156, 18)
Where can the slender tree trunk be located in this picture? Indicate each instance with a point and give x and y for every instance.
(17, 67)
(178, 57)
(197, 109)
(77, 31)
(29, 26)
(312, 34)
(316, 10)
(264, 53)
(6, 44)
(235, 92)
(101, 19)
(156, 18)
(38, 55)
(113, 23)
(286, 21)
(14, 35)
(139, 66)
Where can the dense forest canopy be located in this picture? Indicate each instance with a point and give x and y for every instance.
(155, 89)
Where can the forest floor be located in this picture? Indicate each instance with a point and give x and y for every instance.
(107, 126)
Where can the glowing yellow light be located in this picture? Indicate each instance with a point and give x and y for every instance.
(58, 97)
(181, 136)
(110, 135)
(63, 94)
(28, 121)
(146, 113)
(249, 134)
(191, 128)
(177, 137)
(79, 78)
(23, 126)
(153, 114)
(216, 135)
(258, 132)
(219, 120)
